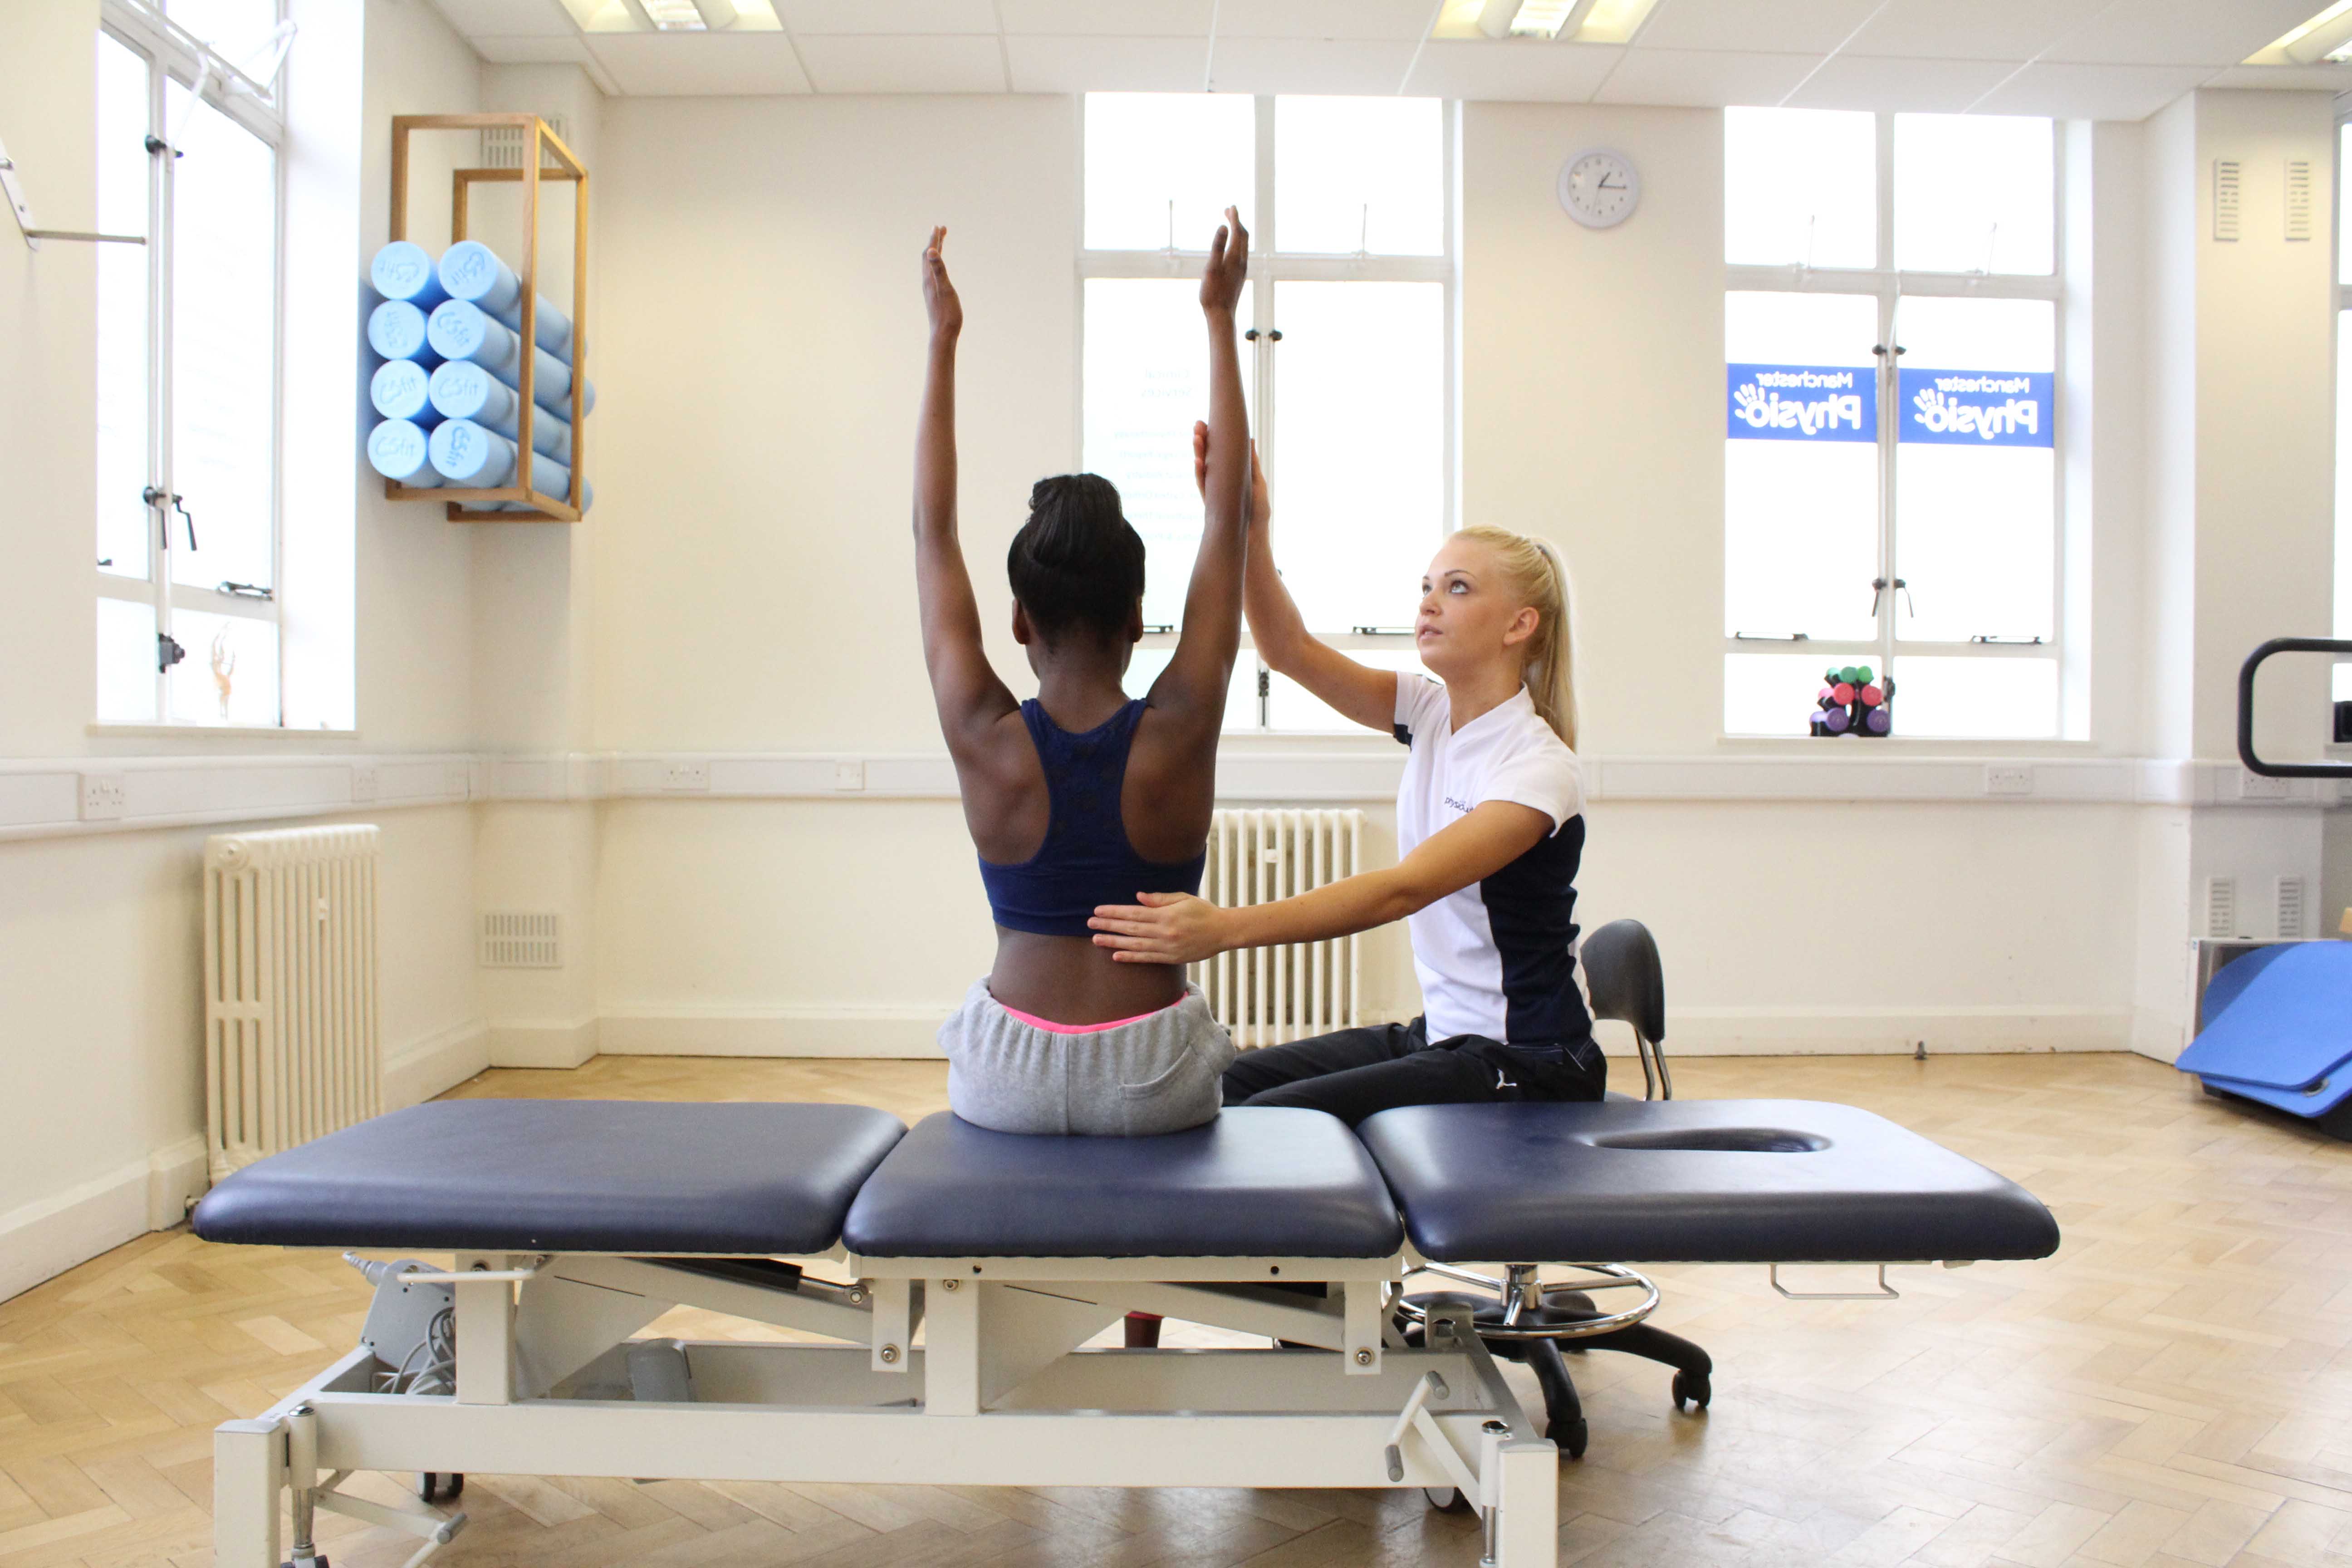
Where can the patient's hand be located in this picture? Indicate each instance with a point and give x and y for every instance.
(1165, 928)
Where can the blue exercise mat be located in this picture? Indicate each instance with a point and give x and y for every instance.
(2278, 1028)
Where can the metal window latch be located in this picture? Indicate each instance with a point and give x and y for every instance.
(1880, 350)
(1771, 636)
(1265, 683)
(161, 501)
(1157, 631)
(246, 591)
(167, 652)
(1381, 631)
(1878, 585)
(157, 144)
(1273, 336)
(1988, 641)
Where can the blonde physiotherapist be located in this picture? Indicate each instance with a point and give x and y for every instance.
(1490, 828)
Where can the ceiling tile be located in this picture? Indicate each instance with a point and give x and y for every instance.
(1106, 65)
(1979, 30)
(1922, 87)
(1523, 71)
(1308, 66)
(2289, 78)
(805, 18)
(2214, 33)
(661, 65)
(1703, 78)
(1787, 27)
(879, 64)
(1132, 19)
(1396, 19)
(507, 19)
(2069, 91)
(532, 51)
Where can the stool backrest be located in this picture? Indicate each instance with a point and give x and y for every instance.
(1628, 983)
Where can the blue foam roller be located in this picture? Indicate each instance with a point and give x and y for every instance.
(400, 389)
(398, 330)
(473, 458)
(400, 449)
(2282, 1033)
(405, 270)
(461, 331)
(464, 390)
(472, 272)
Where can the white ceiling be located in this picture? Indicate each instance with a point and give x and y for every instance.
(2104, 59)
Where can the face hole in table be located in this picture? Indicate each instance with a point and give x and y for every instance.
(1718, 1139)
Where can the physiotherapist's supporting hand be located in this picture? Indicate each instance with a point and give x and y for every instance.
(1164, 928)
(1260, 507)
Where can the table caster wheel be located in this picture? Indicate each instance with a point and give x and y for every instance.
(1691, 1388)
(434, 1486)
(1570, 1436)
(1447, 1500)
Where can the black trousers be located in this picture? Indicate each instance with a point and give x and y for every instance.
(1351, 1073)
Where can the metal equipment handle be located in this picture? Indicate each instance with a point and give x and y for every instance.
(2246, 711)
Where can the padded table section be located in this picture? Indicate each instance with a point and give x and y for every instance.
(1254, 1183)
(565, 1176)
(1693, 1180)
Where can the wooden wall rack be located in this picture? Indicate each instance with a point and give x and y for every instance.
(539, 145)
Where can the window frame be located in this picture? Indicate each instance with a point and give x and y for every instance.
(172, 54)
(1269, 268)
(1888, 285)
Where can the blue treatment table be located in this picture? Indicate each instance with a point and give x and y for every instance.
(575, 1224)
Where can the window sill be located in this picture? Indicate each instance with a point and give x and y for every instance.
(1908, 745)
(232, 731)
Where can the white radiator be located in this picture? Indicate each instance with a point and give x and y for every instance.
(1269, 995)
(290, 1004)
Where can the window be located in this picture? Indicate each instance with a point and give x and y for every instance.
(187, 373)
(2343, 669)
(1891, 483)
(1349, 321)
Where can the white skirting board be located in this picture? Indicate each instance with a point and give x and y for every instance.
(435, 1064)
(911, 1033)
(544, 1045)
(44, 1238)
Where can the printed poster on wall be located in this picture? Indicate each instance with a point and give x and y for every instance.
(1977, 408)
(1801, 403)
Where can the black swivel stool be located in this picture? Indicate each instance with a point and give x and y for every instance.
(1523, 1320)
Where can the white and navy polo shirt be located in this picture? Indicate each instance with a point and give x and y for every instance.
(1498, 957)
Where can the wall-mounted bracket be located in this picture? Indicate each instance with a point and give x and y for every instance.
(14, 188)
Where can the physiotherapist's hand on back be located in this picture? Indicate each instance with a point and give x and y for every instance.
(1164, 928)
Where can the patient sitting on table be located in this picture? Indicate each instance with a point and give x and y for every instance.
(1081, 796)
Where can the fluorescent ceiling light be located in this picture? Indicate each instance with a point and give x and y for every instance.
(1616, 21)
(1585, 21)
(1531, 18)
(674, 15)
(2327, 37)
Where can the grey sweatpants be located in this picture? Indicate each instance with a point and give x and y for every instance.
(1158, 1074)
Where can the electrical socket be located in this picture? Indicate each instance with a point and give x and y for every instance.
(686, 776)
(2009, 781)
(363, 783)
(849, 776)
(101, 797)
(2253, 785)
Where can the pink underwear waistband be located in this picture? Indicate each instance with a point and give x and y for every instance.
(1051, 1027)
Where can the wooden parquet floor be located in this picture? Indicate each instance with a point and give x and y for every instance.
(2173, 1388)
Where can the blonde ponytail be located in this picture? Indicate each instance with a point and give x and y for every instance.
(1540, 579)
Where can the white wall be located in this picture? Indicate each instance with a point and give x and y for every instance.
(100, 1010)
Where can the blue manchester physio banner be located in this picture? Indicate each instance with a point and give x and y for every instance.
(1801, 403)
(1977, 408)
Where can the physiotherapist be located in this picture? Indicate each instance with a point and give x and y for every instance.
(1490, 828)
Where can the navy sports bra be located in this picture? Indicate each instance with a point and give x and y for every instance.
(1086, 860)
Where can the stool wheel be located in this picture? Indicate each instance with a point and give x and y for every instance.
(1691, 1387)
(1570, 1436)
(1447, 1500)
